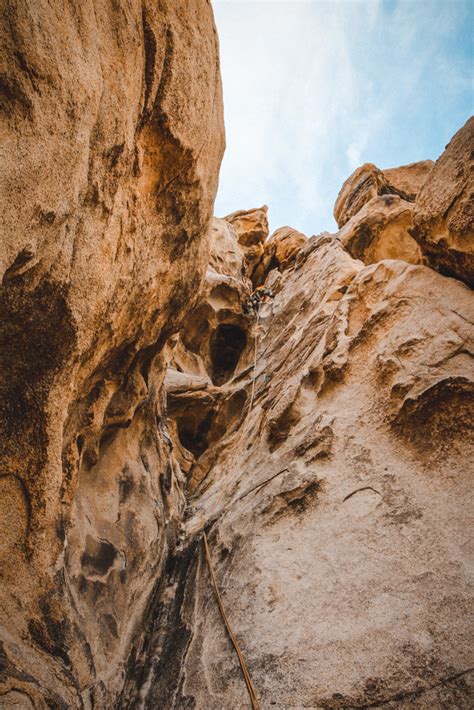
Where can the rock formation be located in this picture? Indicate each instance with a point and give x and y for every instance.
(113, 137)
(334, 496)
(251, 229)
(444, 210)
(321, 440)
(374, 211)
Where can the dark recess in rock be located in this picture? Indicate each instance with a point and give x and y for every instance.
(98, 557)
(226, 346)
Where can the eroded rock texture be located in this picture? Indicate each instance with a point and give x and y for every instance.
(113, 135)
(332, 477)
(444, 210)
(337, 505)
(374, 211)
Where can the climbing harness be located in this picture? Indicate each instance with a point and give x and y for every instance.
(260, 294)
(245, 672)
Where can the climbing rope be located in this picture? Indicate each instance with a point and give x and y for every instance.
(254, 304)
(248, 681)
(252, 397)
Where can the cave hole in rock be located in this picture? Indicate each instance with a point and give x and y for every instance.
(227, 344)
(194, 427)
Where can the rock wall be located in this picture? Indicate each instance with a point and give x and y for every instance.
(329, 468)
(113, 136)
(337, 511)
(444, 210)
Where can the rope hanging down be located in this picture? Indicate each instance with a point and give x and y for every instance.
(245, 672)
(260, 295)
(252, 396)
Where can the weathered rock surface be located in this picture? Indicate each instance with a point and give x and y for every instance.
(112, 137)
(226, 256)
(444, 209)
(332, 480)
(368, 182)
(251, 228)
(280, 251)
(422, 212)
(337, 510)
(381, 230)
(409, 179)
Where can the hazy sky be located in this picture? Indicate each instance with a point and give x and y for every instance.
(315, 88)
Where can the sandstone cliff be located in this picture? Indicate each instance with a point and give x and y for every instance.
(321, 440)
(327, 442)
(113, 135)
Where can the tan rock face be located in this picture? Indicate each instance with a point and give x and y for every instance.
(113, 136)
(215, 347)
(365, 183)
(329, 471)
(444, 212)
(409, 179)
(381, 230)
(335, 497)
(251, 228)
(368, 182)
(280, 251)
(226, 256)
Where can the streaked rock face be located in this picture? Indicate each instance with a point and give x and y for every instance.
(251, 228)
(336, 504)
(444, 211)
(226, 256)
(368, 182)
(280, 251)
(409, 179)
(323, 440)
(374, 211)
(113, 136)
(331, 478)
(421, 213)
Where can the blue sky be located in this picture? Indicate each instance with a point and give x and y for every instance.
(315, 88)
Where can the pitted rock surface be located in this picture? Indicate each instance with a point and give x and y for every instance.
(113, 136)
(337, 506)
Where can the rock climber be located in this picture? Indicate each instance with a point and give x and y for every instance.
(260, 295)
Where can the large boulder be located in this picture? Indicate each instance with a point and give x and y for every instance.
(380, 230)
(444, 209)
(226, 255)
(282, 248)
(409, 179)
(369, 181)
(365, 183)
(113, 137)
(251, 228)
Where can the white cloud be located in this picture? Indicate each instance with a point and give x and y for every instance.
(353, 154)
